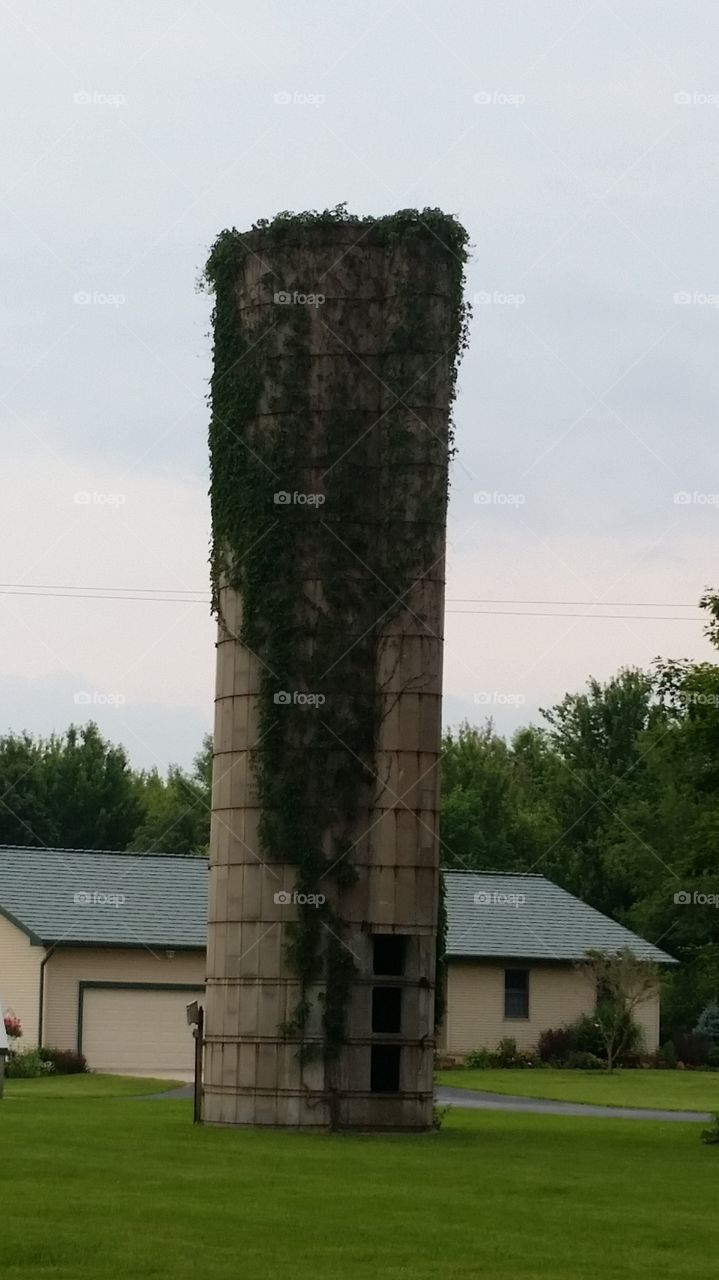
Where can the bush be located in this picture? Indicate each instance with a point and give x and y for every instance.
(555, 1045)
(26, 1066)
(708, 1024)
(711, 1135)
(692, 1049)
(478, 1059)
(667, 1055)
(65, 1062)
(583, 1061)
(587, 1036)
(505, 1055)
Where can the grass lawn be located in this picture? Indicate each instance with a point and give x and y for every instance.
(120, 1189)
(86, 1086)
(669, 1090)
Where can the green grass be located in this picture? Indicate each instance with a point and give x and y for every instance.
(116, 1189)
(86, 1086)
(668, 1090)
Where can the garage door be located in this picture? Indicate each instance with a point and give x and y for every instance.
(135, 1029)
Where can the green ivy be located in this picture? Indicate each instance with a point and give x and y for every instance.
(314, 766)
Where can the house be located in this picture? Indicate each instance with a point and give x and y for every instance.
(513, 942)
(102, 952)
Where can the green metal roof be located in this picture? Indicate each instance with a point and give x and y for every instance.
(94, 898)
(527, 917)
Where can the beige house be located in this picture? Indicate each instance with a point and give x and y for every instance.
(513, 942)
(102, 952)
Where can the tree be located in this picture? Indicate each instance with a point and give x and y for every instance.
(708, 1024)
(622, 983)
(176, 809)
(75, 791)
(596, 736)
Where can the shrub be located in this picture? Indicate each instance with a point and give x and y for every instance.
(26, 1066)
(478, 1059)
(583, 1061)
(65, 1062)
(588, 1039)
(667, 1055)
(555, 1045)
(508, 1055)
(708, 1024)
(711, 1135)
(692, 1049)
(587, 1036)
(505, 1055)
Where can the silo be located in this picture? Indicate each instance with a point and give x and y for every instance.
(335, 348)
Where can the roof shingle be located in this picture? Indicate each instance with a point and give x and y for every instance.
(527, 917)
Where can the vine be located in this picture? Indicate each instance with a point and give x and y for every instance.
(366, 435)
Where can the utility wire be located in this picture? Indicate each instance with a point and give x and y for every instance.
(169, 595)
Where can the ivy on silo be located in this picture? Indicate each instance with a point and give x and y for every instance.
(314, 772)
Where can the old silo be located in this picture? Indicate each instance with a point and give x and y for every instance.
(336, 342)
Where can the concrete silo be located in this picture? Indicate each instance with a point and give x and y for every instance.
(335, 349)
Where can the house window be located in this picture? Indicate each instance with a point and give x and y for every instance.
(516, 993)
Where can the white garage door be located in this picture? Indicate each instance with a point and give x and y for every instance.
(134, 1030)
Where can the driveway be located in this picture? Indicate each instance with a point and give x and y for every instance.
(543, 1106)
(506, 1102)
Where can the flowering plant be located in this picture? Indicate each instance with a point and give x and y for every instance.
(12, 1026)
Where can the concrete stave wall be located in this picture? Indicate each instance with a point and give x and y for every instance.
(251, 988)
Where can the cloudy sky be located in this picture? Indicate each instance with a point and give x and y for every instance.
(578, 144)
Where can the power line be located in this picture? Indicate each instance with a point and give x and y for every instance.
(85, 591)
(597, 617)
(168, 596)
(595, 604)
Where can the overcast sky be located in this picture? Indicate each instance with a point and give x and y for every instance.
(577, 142)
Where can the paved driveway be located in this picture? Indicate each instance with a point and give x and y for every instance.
(543, 1106)
(507, 1102)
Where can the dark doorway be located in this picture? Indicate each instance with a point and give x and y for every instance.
(385, 1068)
(387, 1009)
